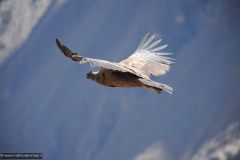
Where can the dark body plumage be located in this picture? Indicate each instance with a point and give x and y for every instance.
(111, 78)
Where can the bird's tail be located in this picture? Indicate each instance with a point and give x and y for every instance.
(155, 86)
(153, 89)
(165, 87)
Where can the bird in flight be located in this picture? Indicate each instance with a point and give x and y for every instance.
(135, 71)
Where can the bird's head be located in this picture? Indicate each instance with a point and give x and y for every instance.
(91, 75)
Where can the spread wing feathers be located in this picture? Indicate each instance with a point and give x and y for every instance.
(107, 65)
(94, 62)
(151, 83)
(148, 59)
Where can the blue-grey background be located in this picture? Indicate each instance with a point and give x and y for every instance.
(48, 106)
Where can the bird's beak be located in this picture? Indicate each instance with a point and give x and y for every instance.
(89, 74)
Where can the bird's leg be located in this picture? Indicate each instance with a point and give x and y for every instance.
(67, 52)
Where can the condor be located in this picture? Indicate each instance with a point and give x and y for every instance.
(135, 71)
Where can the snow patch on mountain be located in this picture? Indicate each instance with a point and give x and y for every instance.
(223, 147)
(17, 20)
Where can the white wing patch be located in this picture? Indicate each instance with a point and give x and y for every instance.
(109, 65)
(147, 60)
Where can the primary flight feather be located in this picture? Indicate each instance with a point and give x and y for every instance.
(135, 71)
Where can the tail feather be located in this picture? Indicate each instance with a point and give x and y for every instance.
(154, 89)
(166, 87)
(155, 86)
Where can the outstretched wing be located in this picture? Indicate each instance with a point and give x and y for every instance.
(147, 59)
(94, 62)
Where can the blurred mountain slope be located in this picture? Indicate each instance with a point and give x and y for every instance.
(48, 106)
